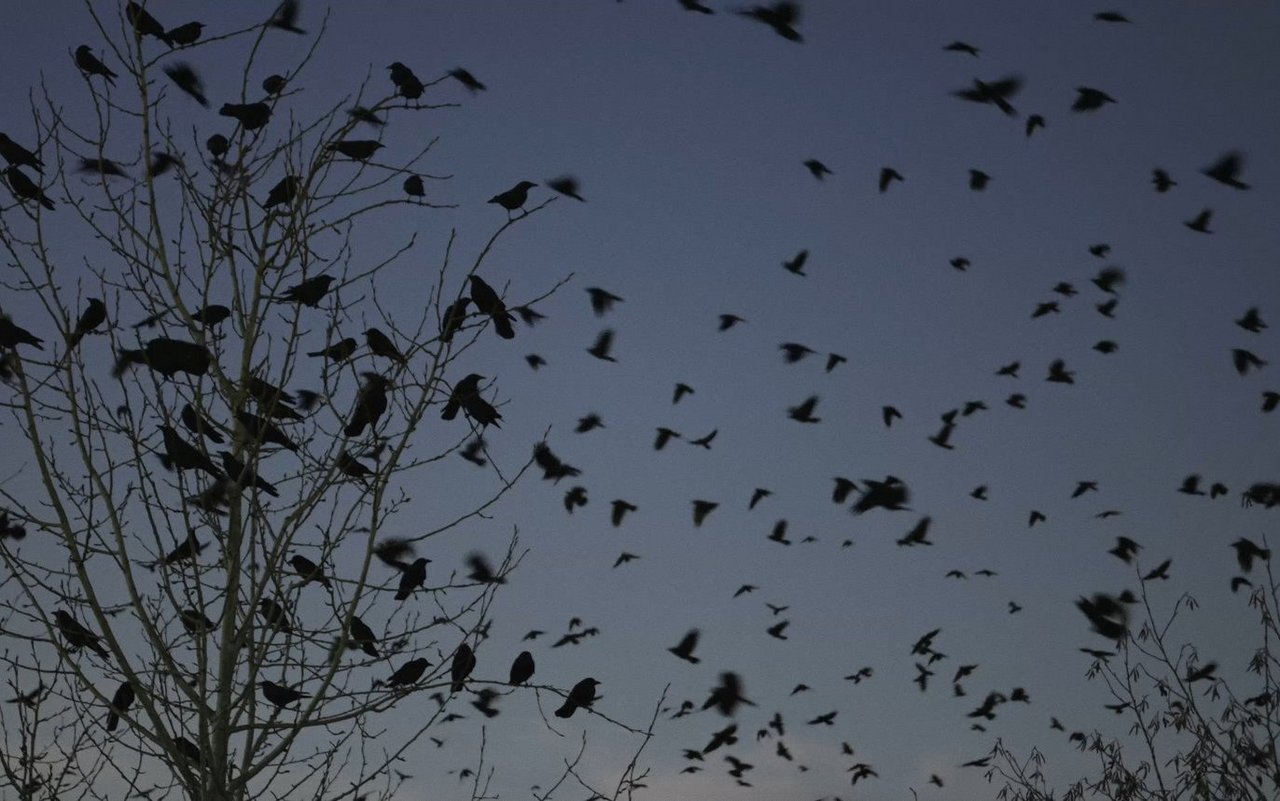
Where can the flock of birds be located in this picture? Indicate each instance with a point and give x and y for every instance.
(482, 305)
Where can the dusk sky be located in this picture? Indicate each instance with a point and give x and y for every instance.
(688, 133)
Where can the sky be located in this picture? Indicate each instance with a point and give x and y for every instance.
(688, 133)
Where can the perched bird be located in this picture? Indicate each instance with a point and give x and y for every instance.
(489, 303)
(583, 694)
(466, 396)
(464, 661)
(243, 476)
(521, 669)
(94, 315)
(381, 345)
(308, 292)
(18, 156)
(274, 84)
(453, 317)
(413, 576)
(371, 403)
(781, 17)
(309, 571)
(408, 673)
(283, 192)
(514, 198)
(264, 431)
(89, 64)
(185, 78)
(280, 695)
(143, 23)
(186, 34)
(362, 638)
(76, 635)
(413, 186)
(24, 188)
(1090, 99)
(339, 351)
(251, 116)
(182, 455)
(407, 84)
(355, 149)
(275, 614)
(121, 700)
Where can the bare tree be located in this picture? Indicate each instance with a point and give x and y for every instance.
(209, 585)
(1198, 728)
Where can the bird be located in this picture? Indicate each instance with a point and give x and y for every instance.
(793, 352)
(521, 669)
(413, 186)
(603, 344)
(1270, 400)
(244, 476)
(308, 292)
(891, 494)
(25, 189)
(121, 700)
(94, 315)
(1090, 99)
(602, 300)
(371, 403)
(960, 263)
(1251, 321)
(1033, 122)
(567, 185)
(143, 23)
(355, 149)
(89, 64)
(781, 17)
(727, 696)
(408, 673)
(796, 264)
(624, 557)
(995, 93)
(381, 345)
(468, 80)
(1110, 16)
(588, 423)
(834, 360)
(453, 318)
(1036, 517)
(583, 695)
(1160, 572)
(962, 47)
(1125, 549)
(407, 84)
(817, 169)
(283, 192)
(1247, 551)
(161, 163)
(488, 302)
(842, 489)
(265, 431)
(362, 638)
(684, 648)
(1200, 222)
(18, 156)
(339, 351)
(251, 116)
(1107, 615)
(776, 630)
(182, 455)
(978, 180)
(803, 413)
(514, 198)
(705, 442)
(309, 571)
(1226, 170)
(280, 695)
(1059, 374)
(76, 635)
(1084, 486)
(574, 498)
(286, 17)
(464, 661)
(412, 577)
(887, 176)
(465, 395)
(680, 391)
(185, 78)
(918, 535)
(1245, 360)
(889, 414)
(1161, 180)
(620, 508)
(728, 321)
(274, 84)
(275, 615)
(701, 509)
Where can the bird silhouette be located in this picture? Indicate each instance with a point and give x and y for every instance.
(567, 185)
(1090, 99)
(94, 315)
(1200, 222)
(803, 413)
(283, 192)
(781, 17)
(121, 700)
(489, 303)
(76, 635)
(280, 695)
(412, 577)
(796, 263)
(1226, 170)
(962, 47)
(407, 84)
(408, 673)
(514, 198)
(995, 93)
(355, 149)
(251, 116)
(521, 669)
(1245, 360)
(602, 346)
(684, 648)
(582, 695)
(188, 80)
(1161, 180)
(701, 509)
(464, 661)
(90, 65)
(25, 189)
(887, 176)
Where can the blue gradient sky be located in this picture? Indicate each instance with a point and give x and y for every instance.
(688, 134)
